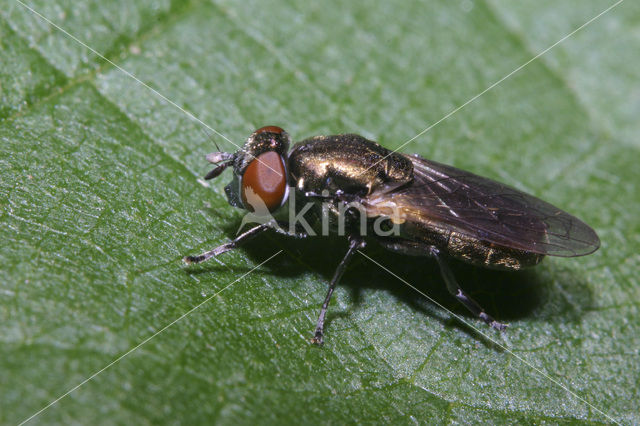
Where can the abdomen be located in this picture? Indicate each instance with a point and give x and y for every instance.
(415, 240)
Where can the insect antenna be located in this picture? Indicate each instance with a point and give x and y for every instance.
(219, 169)
(222, 159)
(208, 136)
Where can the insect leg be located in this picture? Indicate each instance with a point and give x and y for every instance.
(245, 236)
(354, 243)
(282, 227)
(462, 297)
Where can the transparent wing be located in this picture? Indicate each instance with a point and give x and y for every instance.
(481, 208)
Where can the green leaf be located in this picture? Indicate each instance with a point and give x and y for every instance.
(100, 199)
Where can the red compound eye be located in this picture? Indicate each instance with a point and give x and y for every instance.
(264, 181)
(270, 129)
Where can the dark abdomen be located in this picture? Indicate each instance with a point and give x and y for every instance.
(415, 240)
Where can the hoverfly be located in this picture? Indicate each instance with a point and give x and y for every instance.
(438, 211)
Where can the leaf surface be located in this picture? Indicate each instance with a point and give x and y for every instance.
(100, 199)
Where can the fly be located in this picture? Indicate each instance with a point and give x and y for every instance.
(406, 203)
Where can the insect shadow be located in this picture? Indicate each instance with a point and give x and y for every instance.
(508, 295)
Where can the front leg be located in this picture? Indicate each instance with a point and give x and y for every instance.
(278, 226)
(354, 243)
(240, 239)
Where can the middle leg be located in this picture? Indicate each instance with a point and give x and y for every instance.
(354, 244)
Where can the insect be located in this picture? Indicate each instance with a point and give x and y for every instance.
(405, 203)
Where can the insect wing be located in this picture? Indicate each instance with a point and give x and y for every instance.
(446, 197)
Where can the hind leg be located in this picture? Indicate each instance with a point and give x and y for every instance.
(458, 293)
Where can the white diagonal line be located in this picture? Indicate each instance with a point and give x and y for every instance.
(145, 341)
(486, 336)
(101, 56)
(499, 81)
(154, 91)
